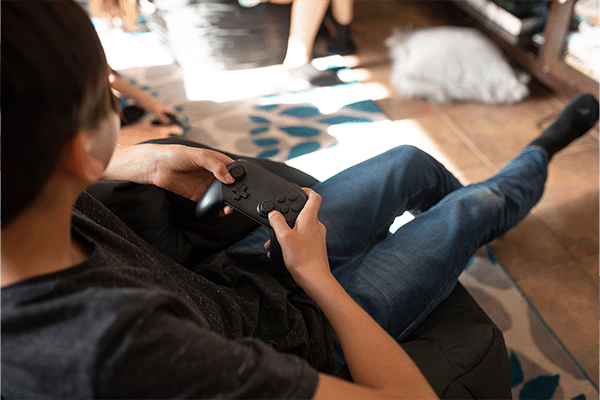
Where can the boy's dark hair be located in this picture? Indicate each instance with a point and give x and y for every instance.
(54, 82)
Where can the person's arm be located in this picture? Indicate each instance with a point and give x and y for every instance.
(146, 101)
(379, 366)
(184, 170)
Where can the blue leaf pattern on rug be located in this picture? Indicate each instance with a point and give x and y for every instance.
(259, 120)
(268, 153)
(267, 107)
(302, 112)
(258, 131)
(516, 373)
(266, 142)
(304, 148)
(343, 119)
(365, 105)
(542, 387)
(300, 131)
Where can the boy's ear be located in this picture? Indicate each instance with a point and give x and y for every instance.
(77, 158)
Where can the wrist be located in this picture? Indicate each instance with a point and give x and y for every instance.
(134, 164)
(314, 280)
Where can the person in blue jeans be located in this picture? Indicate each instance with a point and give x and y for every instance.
(89, 309)
(400, 278)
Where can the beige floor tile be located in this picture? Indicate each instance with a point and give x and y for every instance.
(448, 146)
(476, 175)
(500, 132)
(399, 108)
(567, 299)
(590, 265)
(529, 248)
(569, 206)
(438, 139)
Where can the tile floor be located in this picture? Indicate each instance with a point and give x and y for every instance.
(553, 253)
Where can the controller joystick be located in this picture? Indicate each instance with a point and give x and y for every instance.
(255, 193)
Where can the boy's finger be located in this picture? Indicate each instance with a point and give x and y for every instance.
(278, 222)
(311, 208)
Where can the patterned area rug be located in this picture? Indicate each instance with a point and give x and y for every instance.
(281, 125)
(540, 366)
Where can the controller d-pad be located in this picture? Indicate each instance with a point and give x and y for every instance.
(239, 193)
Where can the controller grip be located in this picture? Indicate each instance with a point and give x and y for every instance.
(276, 253)
(211, 201)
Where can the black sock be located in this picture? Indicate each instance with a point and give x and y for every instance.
(315, 76)
(342, 43)
(578, 117)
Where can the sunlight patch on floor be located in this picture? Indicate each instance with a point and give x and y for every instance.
(126, 50)
(359, 142)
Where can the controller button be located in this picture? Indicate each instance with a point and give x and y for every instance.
(296, 207)
(292, 197)
(265, 207)
(284, 209)
(281, 198)
(239, 192)
(238, 173)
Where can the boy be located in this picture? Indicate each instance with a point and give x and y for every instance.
(91, 310)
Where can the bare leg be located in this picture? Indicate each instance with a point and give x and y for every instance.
(343, 11)
(306, 19)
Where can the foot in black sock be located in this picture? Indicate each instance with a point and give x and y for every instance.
(341, 42)
(315, 76)
(578, 117)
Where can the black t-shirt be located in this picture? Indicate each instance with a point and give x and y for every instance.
(129, 322)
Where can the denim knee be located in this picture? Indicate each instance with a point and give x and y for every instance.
(408, 154)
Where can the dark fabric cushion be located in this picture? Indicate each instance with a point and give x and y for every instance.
(461, 351)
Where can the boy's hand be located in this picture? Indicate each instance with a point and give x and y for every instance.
(157, 107)
(304, 246)
(184, 170)
(188, 171)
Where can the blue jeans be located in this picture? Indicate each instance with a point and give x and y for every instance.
(400, 278)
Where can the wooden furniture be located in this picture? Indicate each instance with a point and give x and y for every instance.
(547, 64)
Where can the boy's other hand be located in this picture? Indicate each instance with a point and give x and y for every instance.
(303, 246)
(184, 170)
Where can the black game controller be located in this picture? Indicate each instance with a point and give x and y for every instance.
(173, 120)
(255, 192)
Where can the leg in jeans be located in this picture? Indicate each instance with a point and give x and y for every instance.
(399, 279)
(403, 278)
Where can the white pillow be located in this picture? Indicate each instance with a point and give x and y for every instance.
(453, 63)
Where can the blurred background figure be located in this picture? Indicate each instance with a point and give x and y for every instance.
(164, 114)
(121, 14)
(307, 16)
